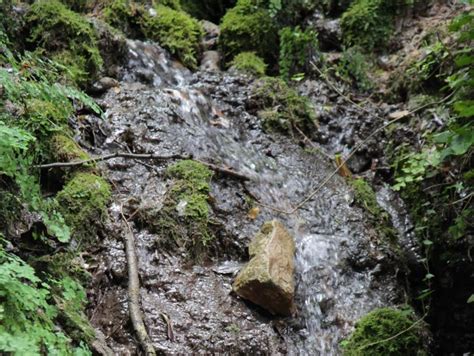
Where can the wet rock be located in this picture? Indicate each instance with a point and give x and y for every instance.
(211, 37)
(210, 61)
(329, 31)
(103, 84)
(268, 279)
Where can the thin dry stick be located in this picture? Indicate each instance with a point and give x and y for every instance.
(311, 143)
(134, 291)
(110, 156)
(150, 156)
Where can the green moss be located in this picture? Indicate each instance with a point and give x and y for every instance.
(192, 186)
(249, 62)
(248, 27)
(83, 203)
(43, 117)
(176, 31)
(365, 196)
(65, 36)
(281, 108)
(368, 23)
(172, 28)
(297, 47)
(182, 219)
(125, 15)
(374, 334)
(64, 149)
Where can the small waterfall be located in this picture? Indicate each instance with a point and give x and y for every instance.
(342, 267)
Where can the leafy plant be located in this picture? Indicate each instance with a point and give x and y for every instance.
(27, 317)
(297, 48)
(367, 23)
(353, 68)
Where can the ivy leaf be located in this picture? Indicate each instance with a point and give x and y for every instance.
(471, 299)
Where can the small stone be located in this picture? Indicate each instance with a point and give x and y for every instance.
(268, 279)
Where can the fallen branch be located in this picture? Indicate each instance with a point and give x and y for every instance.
(134, 290)
(137, 156)
(225, 171)
(109, 156)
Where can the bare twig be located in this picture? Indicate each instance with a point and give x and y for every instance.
(110, 156)
(149, 156)
(223, 170)
(312, 144)
(134, 290)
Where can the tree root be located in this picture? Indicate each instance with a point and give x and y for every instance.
(134, 291)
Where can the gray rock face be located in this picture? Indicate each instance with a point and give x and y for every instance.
(268, 279)
(210, 61)
(211, 36)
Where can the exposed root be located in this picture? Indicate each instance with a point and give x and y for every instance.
(134, 290)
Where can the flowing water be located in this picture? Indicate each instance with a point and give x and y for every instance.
(343, 269)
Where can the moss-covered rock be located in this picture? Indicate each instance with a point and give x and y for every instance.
(172, 28)
(83, 203)
(66, 37)
(249, 27)
(297, 48)
(365, 197)
(181, 218)
(176, 31)
(125, 15)
(70, 299)
(386, 331)
(281, 108)
(249, 62)
(368, 23)
(65, 149)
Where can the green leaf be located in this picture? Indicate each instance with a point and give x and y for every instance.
(471, 299)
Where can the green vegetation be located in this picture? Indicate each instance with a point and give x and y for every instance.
(297, 48)
(83, 203)
(248, 28)
(183, 219)
(249, 62)
(281, 108)
(29, 312)
(176, 31)
(66, 37)
(365, 196)
(368, 23)
(386, 331)
(353, 68)
(64, 149)
(172, 28)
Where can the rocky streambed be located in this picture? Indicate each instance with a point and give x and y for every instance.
(344, 267)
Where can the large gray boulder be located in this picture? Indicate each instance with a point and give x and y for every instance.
(268, 279)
